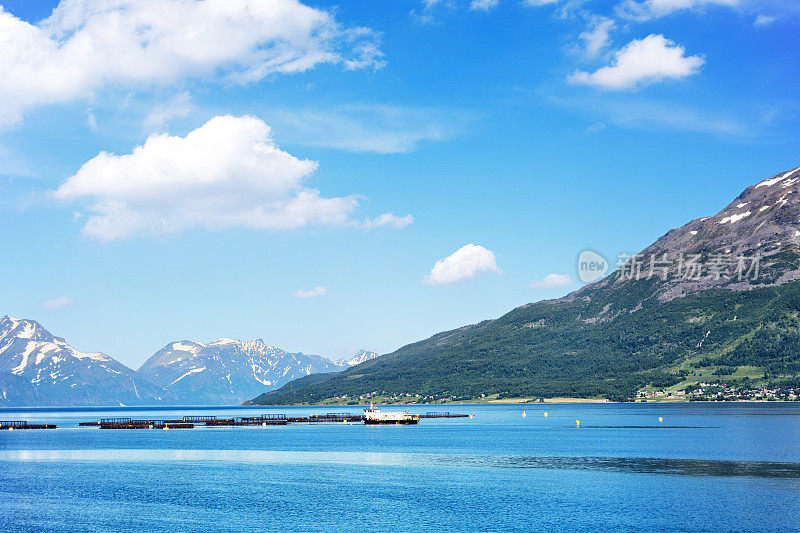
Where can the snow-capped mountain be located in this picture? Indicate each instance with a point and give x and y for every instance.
(226, 370)
(357, 359)
(37, 368)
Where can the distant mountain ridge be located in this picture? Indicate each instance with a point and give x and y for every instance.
(38, 368)
(232, 371)
(717, 298)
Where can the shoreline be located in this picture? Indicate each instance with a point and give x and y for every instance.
(507, 401)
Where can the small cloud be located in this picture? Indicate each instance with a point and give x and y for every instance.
(483, 5)
(465, 263)
(310, 293)
(551, 281)
(373, 128)
(91, 121)
(57, 303)
(178, 106)
(76, 215)
(651, 9)
(642, 62)
(649, 114)
(537, 3)
(388, 219)
(597, 36)
(597, 126)
(763, 21)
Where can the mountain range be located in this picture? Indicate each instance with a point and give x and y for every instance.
(37, 368)
(227, 371)
(717, 298)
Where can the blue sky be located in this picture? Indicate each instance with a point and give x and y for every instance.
(355, 145)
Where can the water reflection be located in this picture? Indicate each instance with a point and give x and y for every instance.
(641, 465)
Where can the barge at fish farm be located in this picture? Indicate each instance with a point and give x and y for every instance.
(376, 416)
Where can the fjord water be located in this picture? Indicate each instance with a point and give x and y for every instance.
(705, 467)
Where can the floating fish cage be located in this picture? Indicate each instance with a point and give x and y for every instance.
(23, 424)
(442, 414)
(193, 420)
(144, 424)
(335, 417)
(274, 420)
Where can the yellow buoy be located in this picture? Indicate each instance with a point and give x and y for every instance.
(166, 428)
(11, 429)
(577, 422)
(545, 414)
(660, 419)
(470, 416)
(264, 424)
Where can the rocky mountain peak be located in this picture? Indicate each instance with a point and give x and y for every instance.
(752, 242)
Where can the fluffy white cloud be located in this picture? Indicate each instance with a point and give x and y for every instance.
(483, 5)
(551, 281)
(86, 45)
(57, 303)
(650, 9)
(226, 173)
(465, 263)
(388, 219)
(310, 293)
(642, 62)
(596, 37)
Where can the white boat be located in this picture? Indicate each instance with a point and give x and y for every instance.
(376, 416)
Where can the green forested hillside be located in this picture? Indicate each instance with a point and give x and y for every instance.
(606, 344)
(724, 301)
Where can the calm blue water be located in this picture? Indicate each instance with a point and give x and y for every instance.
(720, 467)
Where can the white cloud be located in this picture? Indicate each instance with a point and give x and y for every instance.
(642, 62)
(597, 126)
(483, 5)
(85, 46)
(596, 37)
(178, 106)
(382, 129)
(650, 9)
(764, 20)
(465, 263)
(226, 173)
(551, 281)
(91, 121)
(310, 293)
(649, 114)
(388, 219)
(57, 303)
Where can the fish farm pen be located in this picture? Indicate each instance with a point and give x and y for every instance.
(189, 422)
(22, 424)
